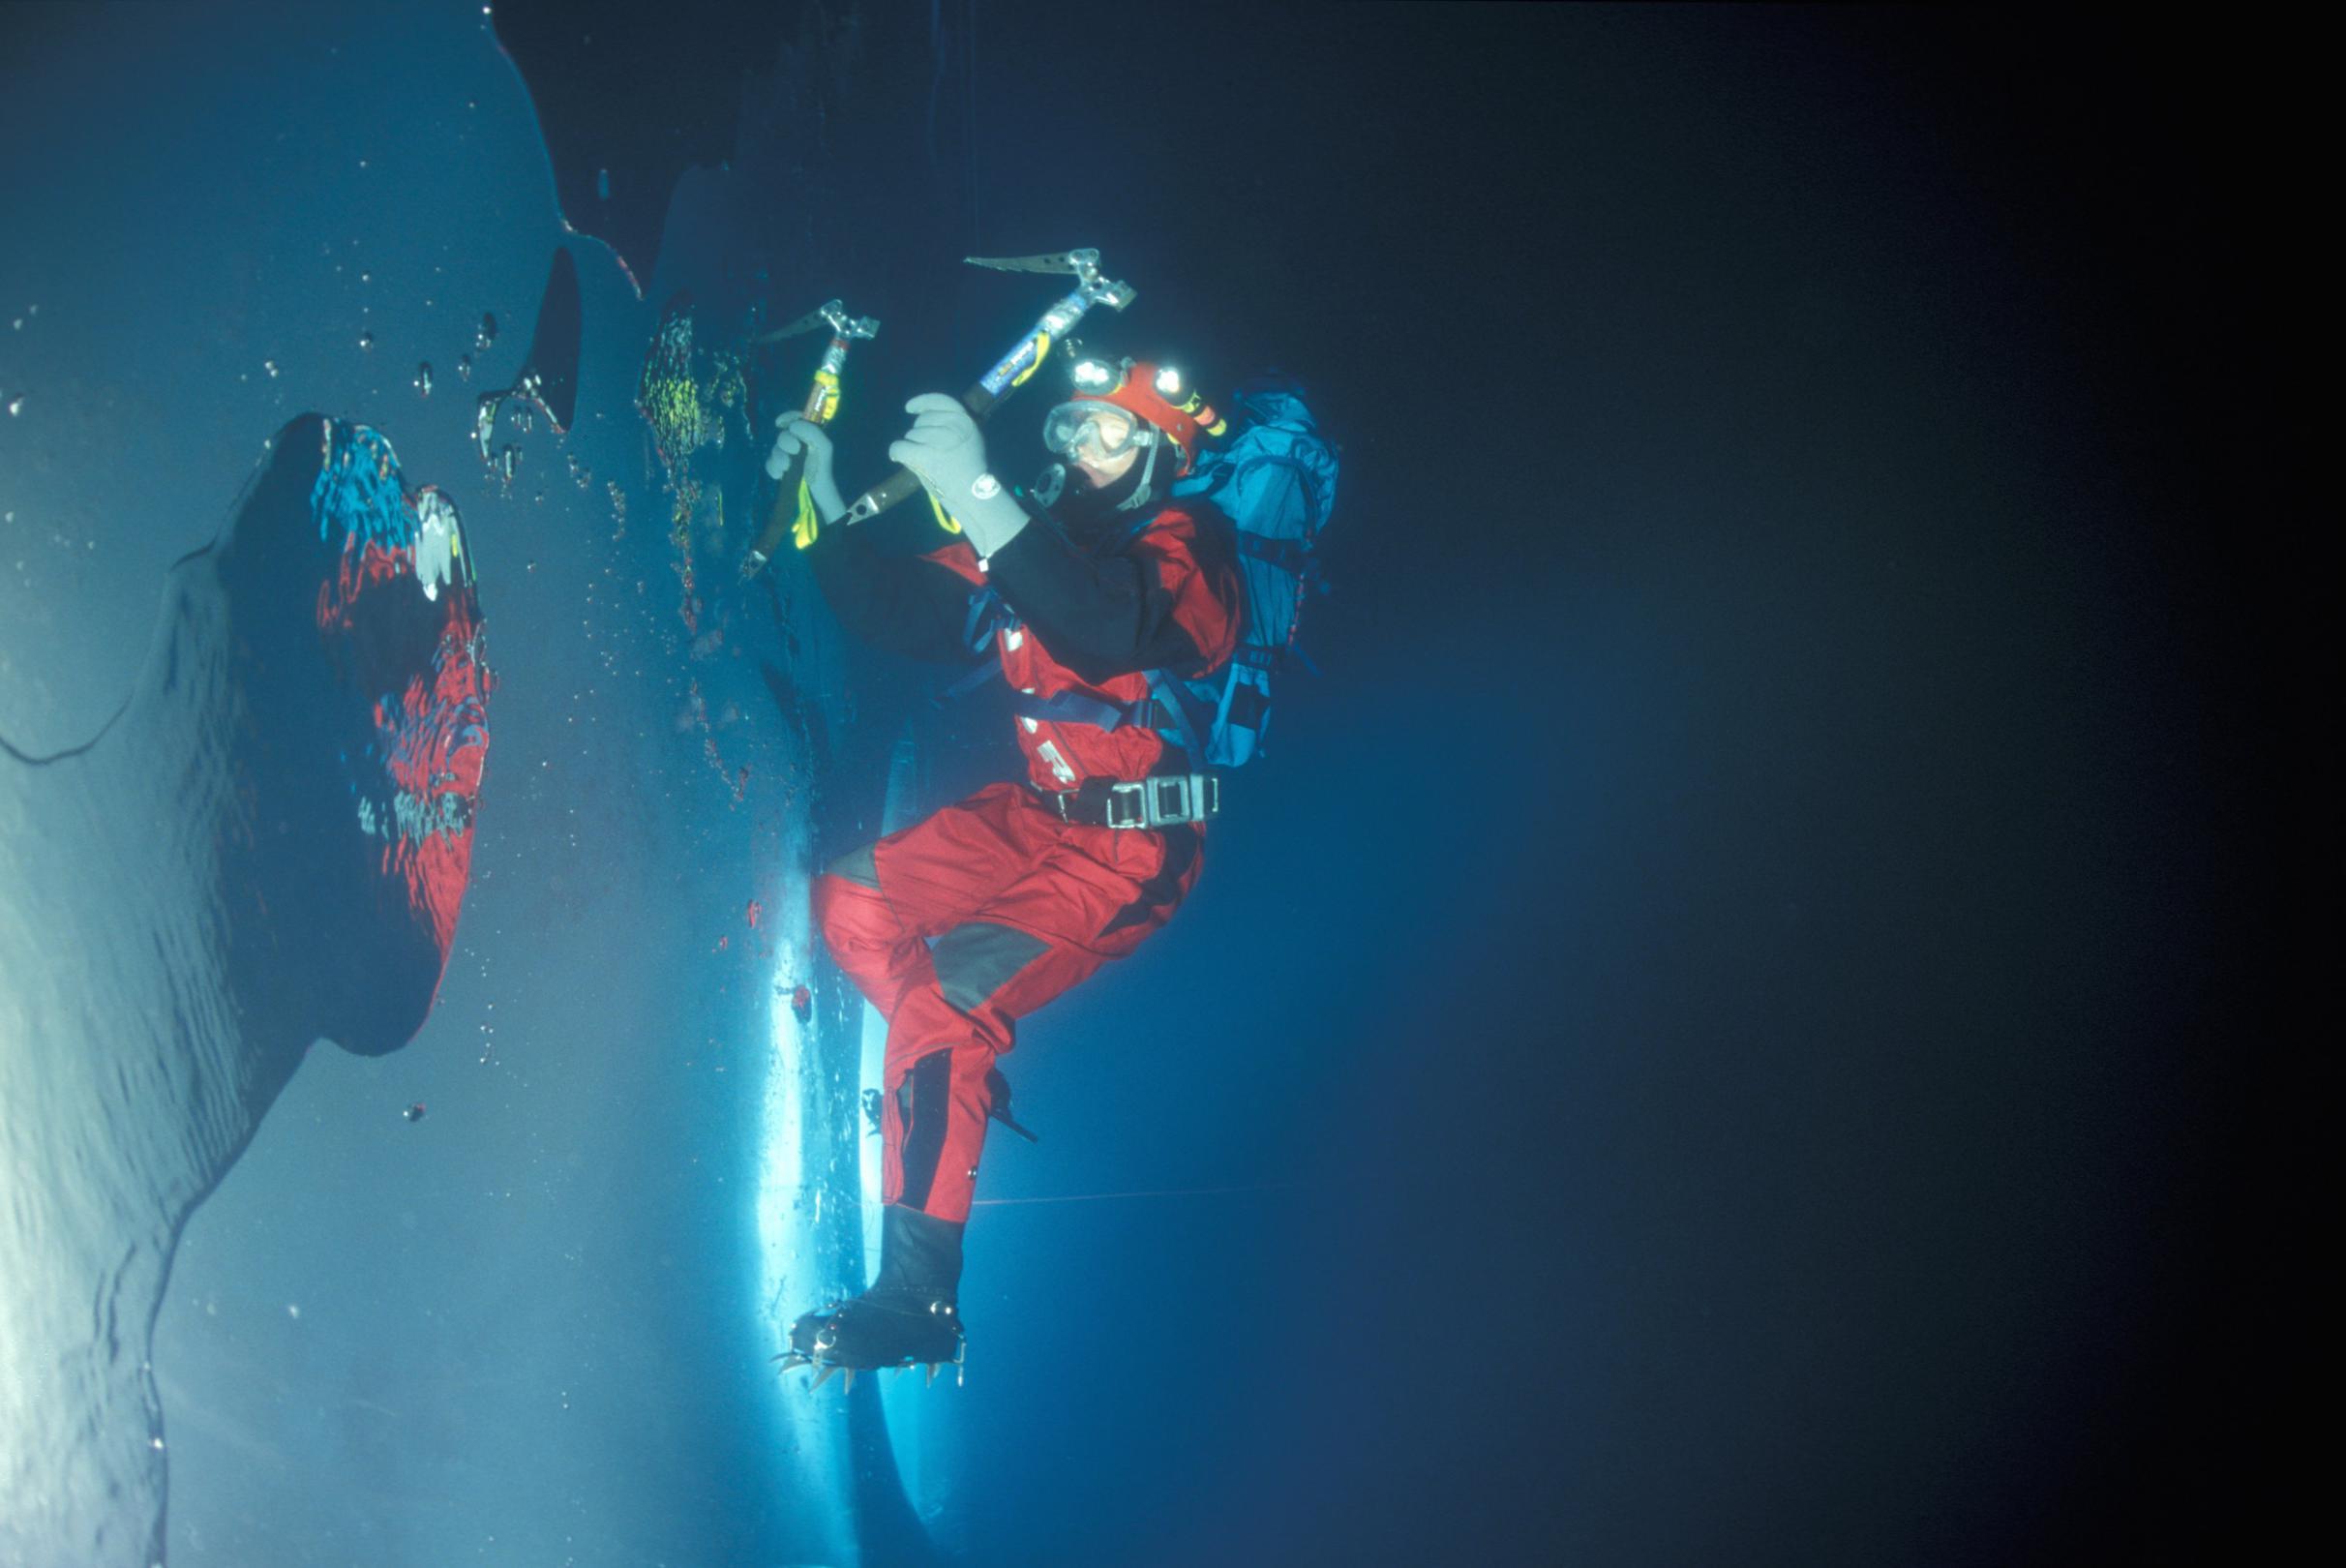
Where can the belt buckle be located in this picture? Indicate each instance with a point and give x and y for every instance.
(1183, 798)
(1183, 807)
(1166, 801)
(1137, 809)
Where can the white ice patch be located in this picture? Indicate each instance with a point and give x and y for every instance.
(437, 545)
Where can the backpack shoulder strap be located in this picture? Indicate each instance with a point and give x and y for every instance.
(1194, 731)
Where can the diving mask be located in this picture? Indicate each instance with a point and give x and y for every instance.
(1093, 429)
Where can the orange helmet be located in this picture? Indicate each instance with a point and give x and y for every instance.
(1156, 393)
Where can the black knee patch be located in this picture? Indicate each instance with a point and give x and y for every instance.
(923, 1101)
(856, 866)
(977, 958)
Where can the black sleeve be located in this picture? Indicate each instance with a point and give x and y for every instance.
(1099, 616)
(901, 603)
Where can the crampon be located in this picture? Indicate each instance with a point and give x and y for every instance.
(879, 1331)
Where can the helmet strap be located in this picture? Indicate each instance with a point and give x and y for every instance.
(1140, 491)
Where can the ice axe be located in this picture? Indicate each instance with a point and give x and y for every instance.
(822, 403)
(1021, 362)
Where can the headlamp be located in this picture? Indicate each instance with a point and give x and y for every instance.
(1160, 399)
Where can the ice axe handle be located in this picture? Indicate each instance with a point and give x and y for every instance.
(784, 511)
(1014, 367)
(904, 483)
(822, 402)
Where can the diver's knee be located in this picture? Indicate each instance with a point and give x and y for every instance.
(857, 865)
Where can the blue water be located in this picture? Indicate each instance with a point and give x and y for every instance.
(1720, 1031)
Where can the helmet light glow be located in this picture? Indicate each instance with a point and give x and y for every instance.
(1093, 376)
(1168, 383)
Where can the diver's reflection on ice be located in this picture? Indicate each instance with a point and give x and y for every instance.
(267, 846)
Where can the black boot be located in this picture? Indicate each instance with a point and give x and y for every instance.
(907, 1317)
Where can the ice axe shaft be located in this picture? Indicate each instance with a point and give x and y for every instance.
(1004, 1117)
(821, 405)
(1013, 368)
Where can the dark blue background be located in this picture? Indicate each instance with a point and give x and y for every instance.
(1744, 1018)
(1763, 954)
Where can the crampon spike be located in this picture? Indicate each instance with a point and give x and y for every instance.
(823, 1376)
(849, 1386)
(932, 1377)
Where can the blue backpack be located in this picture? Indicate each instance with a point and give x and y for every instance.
(1276, 479)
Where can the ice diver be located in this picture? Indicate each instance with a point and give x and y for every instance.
(1093, 578)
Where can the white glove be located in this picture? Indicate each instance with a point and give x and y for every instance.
(801, 434)
(944, 449)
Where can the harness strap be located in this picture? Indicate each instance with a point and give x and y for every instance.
(1075, 707)
(978, 676)
(1195, 727)
(986, 615)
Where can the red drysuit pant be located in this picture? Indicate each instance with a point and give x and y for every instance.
(1019, 906)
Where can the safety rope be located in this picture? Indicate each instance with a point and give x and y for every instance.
(1156, 1192)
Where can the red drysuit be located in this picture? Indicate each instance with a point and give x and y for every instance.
(1019, 904)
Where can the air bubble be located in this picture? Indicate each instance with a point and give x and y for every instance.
(270, 365)
(463, 367)
(15, 406)
(423, 377)
(365, 340)
(487, 333)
